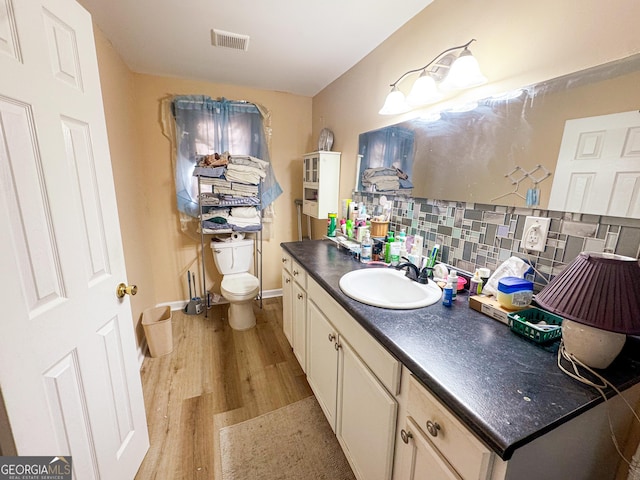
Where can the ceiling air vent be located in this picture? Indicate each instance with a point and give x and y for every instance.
(220, 38)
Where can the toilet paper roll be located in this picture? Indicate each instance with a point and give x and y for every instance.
(237, 236)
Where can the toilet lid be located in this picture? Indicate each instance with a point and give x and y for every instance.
(239, 283)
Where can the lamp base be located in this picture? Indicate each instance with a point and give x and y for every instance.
(594, 347)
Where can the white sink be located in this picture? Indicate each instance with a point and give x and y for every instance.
(388, 288)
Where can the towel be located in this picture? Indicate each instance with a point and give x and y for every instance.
(249, 161)
(243, 222)
(241, 187)
(245, 174)
(244, 212)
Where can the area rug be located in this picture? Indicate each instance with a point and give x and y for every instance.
(292, 443)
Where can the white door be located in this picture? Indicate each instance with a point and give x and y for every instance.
(598, 169)
(68, 370)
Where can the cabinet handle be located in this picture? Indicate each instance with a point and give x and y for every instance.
(295, 273)
(433, 428)
(284, 260)
(337, 346)
(405, 435)
(300, 297)
(332, 337)
(287, 280)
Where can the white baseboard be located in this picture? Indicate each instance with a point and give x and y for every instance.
(272, 293)
(181, 304)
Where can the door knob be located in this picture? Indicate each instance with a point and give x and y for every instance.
(122, 290)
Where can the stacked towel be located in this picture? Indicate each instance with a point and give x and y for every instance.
(241, 188)
(209, 198)
(244, 212)
(249, 161)
(385, 179)
(244, 217)
(216, 215)
(245, 174)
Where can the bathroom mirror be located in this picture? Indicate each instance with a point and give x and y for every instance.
(506, 149)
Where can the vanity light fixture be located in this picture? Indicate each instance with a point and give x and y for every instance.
(453, 72)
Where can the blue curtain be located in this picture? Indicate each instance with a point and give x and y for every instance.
(205, 126)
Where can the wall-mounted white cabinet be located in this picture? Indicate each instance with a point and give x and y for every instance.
(321, 183)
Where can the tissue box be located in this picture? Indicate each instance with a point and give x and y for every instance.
(490, 307)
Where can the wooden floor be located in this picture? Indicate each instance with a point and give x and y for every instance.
(214, 377)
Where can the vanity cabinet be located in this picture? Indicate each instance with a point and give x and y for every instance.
(321, 183)
(355, 381)
(294, 307)
(287, 302)
(436, 445)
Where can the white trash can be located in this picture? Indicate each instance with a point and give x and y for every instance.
(156, 322)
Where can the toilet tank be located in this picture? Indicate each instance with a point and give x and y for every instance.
(235, 256)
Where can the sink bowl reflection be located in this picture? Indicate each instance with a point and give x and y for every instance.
(388, 288)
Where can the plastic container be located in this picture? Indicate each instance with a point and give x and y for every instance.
(447, 295)
(453, 280)
(387, 247)
(535, 324)
(366, 248)
(394, 252)
(514, 293)
(475, 285)
(156, 322)
(332, 224)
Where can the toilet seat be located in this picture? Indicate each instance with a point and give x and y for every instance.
(240, 284)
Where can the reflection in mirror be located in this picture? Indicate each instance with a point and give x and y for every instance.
(502, 151)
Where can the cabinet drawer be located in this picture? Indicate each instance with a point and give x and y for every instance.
(309, 207)
(299, 274)
(286, 261)
(383, 365)
(471, 459)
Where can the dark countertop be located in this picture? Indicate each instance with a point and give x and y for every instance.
(503, 387)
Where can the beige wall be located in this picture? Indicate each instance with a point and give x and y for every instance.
(118, 96)
(157, 252)
(518, 43)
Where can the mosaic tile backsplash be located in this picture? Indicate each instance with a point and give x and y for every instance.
(476, 235)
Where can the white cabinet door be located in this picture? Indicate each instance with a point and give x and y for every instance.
(421, 459)
(366, 418)
(299, 321)
(322, 361)
(287, 299)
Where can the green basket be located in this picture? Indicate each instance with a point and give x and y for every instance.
(523, 322)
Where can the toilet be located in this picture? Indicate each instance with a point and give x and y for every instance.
(233, 259)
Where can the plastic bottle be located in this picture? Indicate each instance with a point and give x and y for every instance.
(331, 224)
(447, 296)
(366, 248)
(475, 284)
(394, 251)
(453, 280)
(402, 236)
(387, 247)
